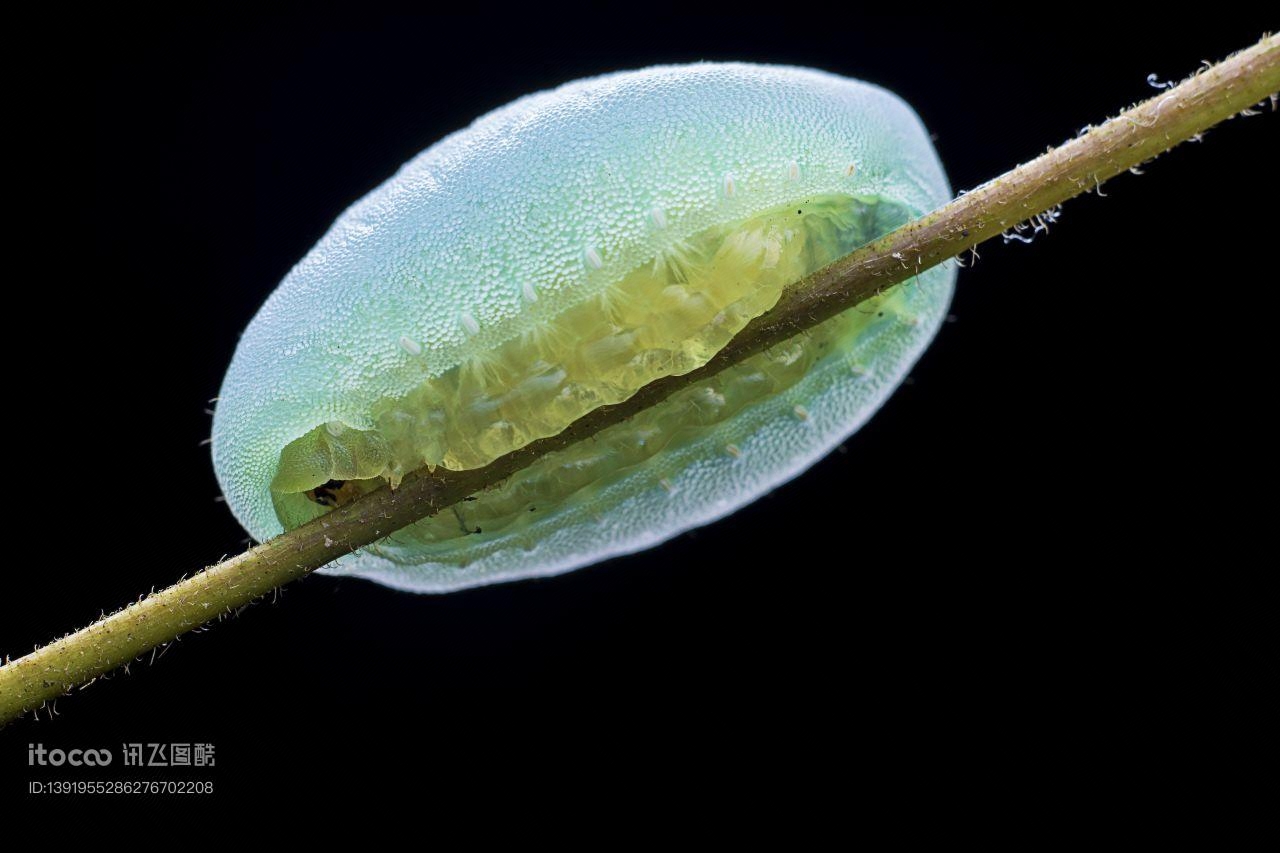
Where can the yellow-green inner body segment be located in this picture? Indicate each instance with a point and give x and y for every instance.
(667, 317)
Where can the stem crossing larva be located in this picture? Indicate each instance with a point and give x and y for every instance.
(555, 256)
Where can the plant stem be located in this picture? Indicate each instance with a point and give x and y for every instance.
(1082, 164)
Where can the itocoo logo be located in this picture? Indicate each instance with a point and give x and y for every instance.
(38, 755)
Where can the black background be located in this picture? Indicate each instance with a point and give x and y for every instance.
(1043, 556)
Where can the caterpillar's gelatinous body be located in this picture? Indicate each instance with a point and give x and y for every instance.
(554, 257)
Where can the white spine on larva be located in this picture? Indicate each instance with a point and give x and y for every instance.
(657, 217)
(593, 258)
(468, 323)
(410, 346)
(728, 185)
(530, 293)
(793, 171)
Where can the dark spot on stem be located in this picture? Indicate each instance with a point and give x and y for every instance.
(334, 493)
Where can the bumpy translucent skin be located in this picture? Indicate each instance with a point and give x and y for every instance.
(499, 230)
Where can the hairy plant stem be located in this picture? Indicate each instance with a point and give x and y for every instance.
(1214, 94)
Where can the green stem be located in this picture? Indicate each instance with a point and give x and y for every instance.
(1131, 138)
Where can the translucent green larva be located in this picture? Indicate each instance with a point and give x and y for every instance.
(553, 257)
